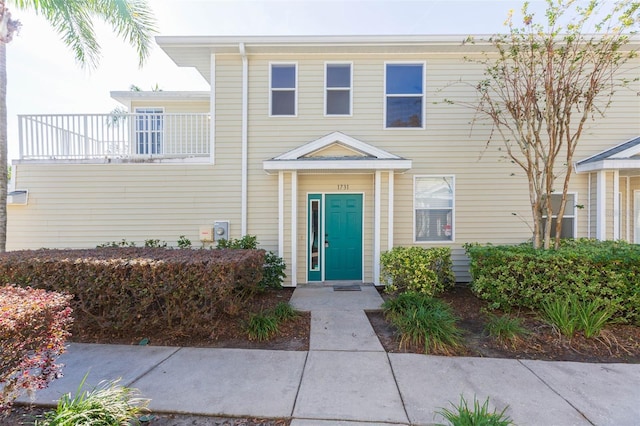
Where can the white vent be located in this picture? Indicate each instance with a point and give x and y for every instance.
(18, 197)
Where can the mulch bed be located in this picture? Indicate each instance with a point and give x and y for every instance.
(617, 343)
(229, 331)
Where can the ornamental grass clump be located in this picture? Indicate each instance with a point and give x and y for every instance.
(266, 324)
(284, 311)
(422, 320)
(570, 314)
(108, 404)
(479, 415)
(262, 326)
(505, 329)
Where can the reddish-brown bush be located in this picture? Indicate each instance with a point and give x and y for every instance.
(34, 325)
(132, 291)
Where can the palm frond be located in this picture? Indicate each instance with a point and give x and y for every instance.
(132, 20)
(73, 20)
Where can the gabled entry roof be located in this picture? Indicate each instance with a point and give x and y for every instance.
(344, 153)
(623, 156)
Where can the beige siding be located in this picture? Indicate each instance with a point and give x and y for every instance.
(85, 205)
(72, 205)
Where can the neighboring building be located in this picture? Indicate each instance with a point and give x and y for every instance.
(331, 150)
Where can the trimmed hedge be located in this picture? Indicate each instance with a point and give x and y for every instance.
(34, 325)
(607, 272)
(130, 291)
(417, 269)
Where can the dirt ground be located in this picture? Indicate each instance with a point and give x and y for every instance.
(617, 343)
(24, 415)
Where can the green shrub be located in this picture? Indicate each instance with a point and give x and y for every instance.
(422, 320)
(607, 272)
(247, 242)
(184, 242)
(273, 272)
(108, 404)
(155, 244)
(462, 415)
(505, 328)
(122, 243)
(34, 325)
(416, 269)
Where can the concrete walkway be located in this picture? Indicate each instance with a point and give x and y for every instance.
(346, 378)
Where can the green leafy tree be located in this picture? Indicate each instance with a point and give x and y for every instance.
(73, 20)
(543, 81)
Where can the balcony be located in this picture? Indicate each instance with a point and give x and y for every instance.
(123, 137)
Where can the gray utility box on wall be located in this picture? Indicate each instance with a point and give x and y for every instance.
(221, 230)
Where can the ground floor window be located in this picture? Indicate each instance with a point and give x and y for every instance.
(569, 218)
(434, 208)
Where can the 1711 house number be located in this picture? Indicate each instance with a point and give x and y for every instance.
(343, 186)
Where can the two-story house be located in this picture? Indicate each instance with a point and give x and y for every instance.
(330, 149)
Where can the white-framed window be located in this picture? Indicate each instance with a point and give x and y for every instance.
(149, 130)
(434, 208)
(569, 220)
(404, 93)
(283, 81)
(337, 83)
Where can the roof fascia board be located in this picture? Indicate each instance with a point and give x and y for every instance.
(618, 155)
(128, 95)
(616, 164)
(481, 41)
(301, 165)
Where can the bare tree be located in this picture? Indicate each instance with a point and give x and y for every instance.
(542, 83)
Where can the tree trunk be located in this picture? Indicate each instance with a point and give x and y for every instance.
(3, 146)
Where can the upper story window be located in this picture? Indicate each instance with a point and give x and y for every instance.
(337, 89)
(283, 89)
(149, 130)
(404, 95)
(434, 208)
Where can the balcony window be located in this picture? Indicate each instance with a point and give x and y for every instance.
(149, 130)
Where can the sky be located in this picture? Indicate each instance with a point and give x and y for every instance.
(43, 76)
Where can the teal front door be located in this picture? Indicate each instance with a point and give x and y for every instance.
(343, 237)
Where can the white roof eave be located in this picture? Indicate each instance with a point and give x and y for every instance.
(336, 164)
(608, 164)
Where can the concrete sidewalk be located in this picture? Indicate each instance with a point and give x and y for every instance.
(346, 378)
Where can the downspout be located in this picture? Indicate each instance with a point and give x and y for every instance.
(245, 138)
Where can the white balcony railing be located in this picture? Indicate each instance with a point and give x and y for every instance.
(113, 136)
